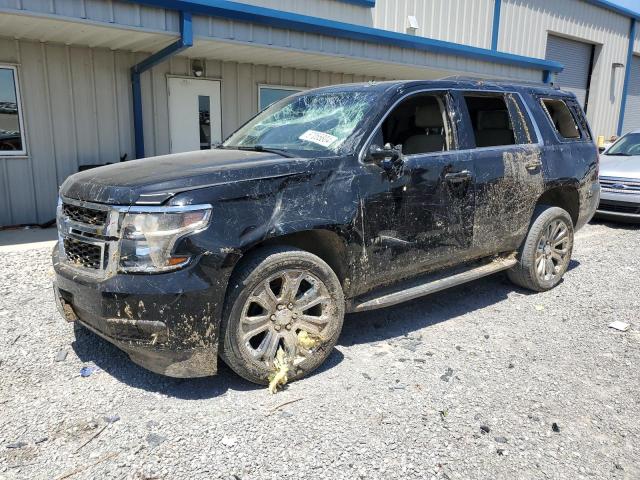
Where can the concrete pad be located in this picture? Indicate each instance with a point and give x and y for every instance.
(22, 239)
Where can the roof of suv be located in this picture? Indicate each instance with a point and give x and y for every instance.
(453, 82)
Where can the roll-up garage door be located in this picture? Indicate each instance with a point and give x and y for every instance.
(632, 109)
(576, 58)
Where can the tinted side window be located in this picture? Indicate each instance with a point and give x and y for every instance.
(420, 124)
(490, 119)
(561, 118)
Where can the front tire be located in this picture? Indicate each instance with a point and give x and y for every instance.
(275, 295)
(545, 254)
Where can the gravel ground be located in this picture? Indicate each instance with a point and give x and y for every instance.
(481, 381)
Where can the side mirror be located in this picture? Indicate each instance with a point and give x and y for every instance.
(385, 156)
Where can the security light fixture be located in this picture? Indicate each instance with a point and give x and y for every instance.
(196, 68)
(413, 26)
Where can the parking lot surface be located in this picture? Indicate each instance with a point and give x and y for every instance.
(482, 381)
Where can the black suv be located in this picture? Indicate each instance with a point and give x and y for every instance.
(339, 199)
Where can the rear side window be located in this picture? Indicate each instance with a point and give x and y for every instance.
(490, 119)
(561, 118)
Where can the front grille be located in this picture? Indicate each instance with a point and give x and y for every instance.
(620, 185)
(619, 207)
(83, 254)
(84, 215)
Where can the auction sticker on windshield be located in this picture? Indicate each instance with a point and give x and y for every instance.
(321, 138)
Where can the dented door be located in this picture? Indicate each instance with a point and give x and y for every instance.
(421, 217)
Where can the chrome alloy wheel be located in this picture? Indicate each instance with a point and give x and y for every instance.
(281, 307)
(553, 250)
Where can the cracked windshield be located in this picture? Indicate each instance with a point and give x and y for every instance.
(305, 125)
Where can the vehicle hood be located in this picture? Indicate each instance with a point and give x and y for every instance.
(155, 179)
(620, 167)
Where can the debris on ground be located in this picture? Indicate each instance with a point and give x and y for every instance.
(153, 439)
(279, 378)
(484, 429)
(555, 427)
(447, 374)
(88, 371)
(111, 418)
(17, 445)
(500, 439)
(618, 325)
(228, 441)
(61, 356)
(278, 407)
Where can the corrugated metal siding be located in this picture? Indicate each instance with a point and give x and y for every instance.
(632, 110)
(524, 27)
(77, 112)
(576, 57)
(460, 21)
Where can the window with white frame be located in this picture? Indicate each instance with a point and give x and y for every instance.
(268, 94)
(11, 124)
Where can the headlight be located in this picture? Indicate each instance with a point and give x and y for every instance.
(149, 236)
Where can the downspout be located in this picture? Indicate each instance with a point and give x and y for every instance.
(497, 7)
(185, 41)
(627, 74)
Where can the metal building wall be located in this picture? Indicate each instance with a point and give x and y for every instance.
(524, 27)
(76, 109)
(460, 21)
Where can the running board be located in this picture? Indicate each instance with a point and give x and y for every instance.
(430, 284)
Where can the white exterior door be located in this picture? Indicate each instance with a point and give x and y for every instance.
(195, 116)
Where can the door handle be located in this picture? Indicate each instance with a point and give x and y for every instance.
(532, 165)
(458, 177)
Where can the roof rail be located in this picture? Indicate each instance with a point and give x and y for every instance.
(504, 81)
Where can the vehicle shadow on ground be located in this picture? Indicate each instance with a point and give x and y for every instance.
(619, 225)
(402, 320)
(89, 347)
(360, 328)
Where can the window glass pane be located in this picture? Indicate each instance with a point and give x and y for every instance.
(418, 124)
(10, 135)
(204, 113)
(561, 117)
(272, 95)
(490, 119)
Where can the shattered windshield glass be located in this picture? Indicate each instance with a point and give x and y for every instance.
(317, 123)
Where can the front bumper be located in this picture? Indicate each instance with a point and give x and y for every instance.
(167, 323)
(619, 206)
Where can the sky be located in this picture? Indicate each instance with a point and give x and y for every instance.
(630, 4)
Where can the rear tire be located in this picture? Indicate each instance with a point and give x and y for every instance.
(274, 295)
(545, 254)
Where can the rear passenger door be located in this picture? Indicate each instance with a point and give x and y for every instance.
(507, 159)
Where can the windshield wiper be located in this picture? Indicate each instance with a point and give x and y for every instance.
(619, 154)
(258, 148)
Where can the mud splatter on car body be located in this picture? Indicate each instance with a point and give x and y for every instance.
(374, 224)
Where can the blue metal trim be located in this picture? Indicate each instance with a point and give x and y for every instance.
(546, 76)
(293, 21)
(362, 3)
(497, 7)
(185, 41)
(615, 8)
(627, 74)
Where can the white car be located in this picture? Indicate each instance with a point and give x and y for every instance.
(620, 179)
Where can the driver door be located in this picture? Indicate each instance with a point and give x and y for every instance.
(419, 215)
